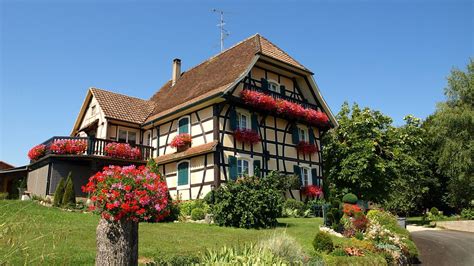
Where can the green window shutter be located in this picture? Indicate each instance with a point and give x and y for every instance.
(311, 136)
(282, 90)
(183, 174)
(314, 177)
(264, 84)
(297, 171)
(183, 125)
(233, 118)
(294, 134)
(256, 168)
(254, 121)
(232, 168)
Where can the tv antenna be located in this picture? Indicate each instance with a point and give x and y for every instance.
(224, 33)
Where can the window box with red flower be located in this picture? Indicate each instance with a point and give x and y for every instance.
(181, 142)
(68, 146)
(37, 152)
(312, 191)
(305, 147)
(122, 150)
(247, 136)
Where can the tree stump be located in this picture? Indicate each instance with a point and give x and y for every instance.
(117, 243)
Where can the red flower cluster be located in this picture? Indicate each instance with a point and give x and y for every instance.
(128, 193)
(247, 136)
(181, 140)
(292, 110)
(306, 147)
(37, 152)
(360, 221)
(351, 209)
(312, 191)
(69, 146)
(122, 150)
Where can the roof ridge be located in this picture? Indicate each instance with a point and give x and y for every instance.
(121, 94)
(282, 51)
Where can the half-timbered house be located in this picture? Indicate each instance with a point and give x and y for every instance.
(231, 135)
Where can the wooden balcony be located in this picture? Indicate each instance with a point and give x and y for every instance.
(96, 147)
(256, 85)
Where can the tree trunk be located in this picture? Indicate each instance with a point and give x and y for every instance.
(117, 243)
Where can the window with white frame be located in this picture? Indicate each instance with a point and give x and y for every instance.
(184, 125)
(183, 173)
(243, 120)
(127, 136)
(273, 86)
(302, 133)
(305, 176)
(243, 167)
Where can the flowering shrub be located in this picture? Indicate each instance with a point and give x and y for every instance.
(181, 140)
(129, 193)
(37, 152)
(122, 150)
(247, 136)
(351, 209)
(68, 146)
(293, 110)
(353, 251)
(312, 191)
(305, 147)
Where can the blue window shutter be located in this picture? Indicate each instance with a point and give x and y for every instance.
(294, 134)
(311, 136)
(264, 84)
(232, 167)
(254, 122)
(183, 125)
(282, 90)
(256, 168)
(297, 171)
(314, 178)
(233, 119)
(183, 174)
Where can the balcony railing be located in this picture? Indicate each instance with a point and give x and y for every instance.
(96, 146)
(256, 85)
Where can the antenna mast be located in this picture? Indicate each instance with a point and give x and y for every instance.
(224, 33)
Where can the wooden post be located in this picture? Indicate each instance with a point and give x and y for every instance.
(117, 243)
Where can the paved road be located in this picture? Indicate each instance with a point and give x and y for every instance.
(445, 247)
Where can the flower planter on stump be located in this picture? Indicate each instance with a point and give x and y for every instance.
(117, 242)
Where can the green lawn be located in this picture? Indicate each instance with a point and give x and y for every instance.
(45, 235)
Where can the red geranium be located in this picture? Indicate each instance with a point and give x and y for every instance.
(292, 110)
(306, 147)
(258, 99)
(37, 152)
(181, 140)
(247, 136)
(312, 191)
(69, 146)
(128, 193)
(122, 150)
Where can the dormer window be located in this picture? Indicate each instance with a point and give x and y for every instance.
(274, 86)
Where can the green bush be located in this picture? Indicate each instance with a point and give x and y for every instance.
(186, 207)
(434, 211)
(176, 260)
(467, 214)
(350, 198)
(339, 252)
(323, 242)
(69, 197)
(197, 214)
(283, 246)
(293, 208)
(249, 202)
(359, 235)
(3, 195)
(246, 255)
(209, 198)
(59, 193)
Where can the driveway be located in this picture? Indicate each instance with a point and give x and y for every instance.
(444, 247)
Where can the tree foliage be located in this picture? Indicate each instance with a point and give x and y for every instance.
(452, 131)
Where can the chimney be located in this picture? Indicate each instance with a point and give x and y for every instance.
(176, 71)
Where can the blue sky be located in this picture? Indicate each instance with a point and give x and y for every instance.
(392, 56)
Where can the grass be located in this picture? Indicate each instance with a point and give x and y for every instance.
(43, 235)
